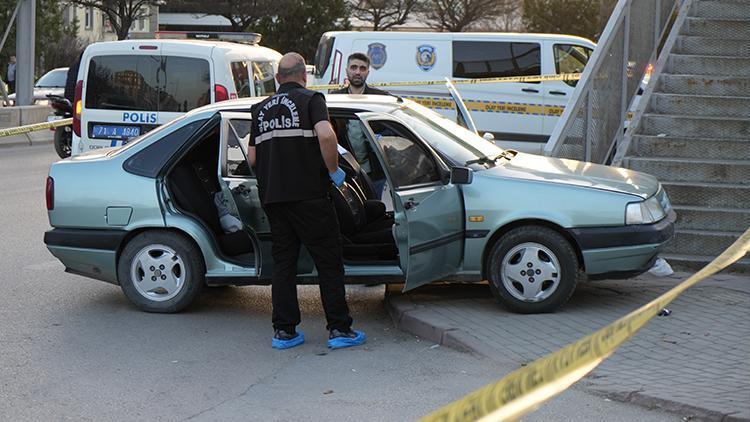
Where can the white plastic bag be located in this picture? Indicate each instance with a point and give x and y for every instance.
(661, 268)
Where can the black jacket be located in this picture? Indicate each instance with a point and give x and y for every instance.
(368, 91)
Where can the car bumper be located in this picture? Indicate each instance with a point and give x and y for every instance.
(623, 251)
(90, 253)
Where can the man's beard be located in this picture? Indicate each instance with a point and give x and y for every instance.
(357, 82)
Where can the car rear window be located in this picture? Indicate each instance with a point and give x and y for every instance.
(151, 159)
(147, 83)
(493, 59)
(53, 79)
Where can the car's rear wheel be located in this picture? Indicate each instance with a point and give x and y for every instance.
(533, 269)
(161, 271)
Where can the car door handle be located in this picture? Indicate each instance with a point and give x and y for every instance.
(557, 93)
(410, 204)
(530, 90)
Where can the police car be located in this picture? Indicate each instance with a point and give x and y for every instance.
(127, 88)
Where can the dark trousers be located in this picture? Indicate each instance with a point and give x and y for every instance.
(314, 224)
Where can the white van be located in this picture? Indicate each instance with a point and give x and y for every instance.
(126, 88)
(519, 115)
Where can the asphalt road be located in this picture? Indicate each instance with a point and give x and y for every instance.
(72, 348)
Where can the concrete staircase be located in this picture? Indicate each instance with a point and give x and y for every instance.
(695, 133)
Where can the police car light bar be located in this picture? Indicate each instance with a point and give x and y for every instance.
(238, 37)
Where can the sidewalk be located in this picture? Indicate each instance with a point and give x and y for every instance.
(695, 362)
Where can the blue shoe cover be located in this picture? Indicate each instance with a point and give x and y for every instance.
(341, 342)
(288, 344)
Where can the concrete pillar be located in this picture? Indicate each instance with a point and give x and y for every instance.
(25, 54)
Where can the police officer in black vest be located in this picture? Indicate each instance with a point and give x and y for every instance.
(293, 148)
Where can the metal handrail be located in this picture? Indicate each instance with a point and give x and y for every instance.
(618, 26)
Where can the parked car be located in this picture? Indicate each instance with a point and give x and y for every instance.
(51, 83)
(143, 216)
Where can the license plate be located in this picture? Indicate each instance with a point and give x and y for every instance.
(115, 131)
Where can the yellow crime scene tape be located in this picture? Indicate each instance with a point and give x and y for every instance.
(516, 79)
(528, 387)
(20, 130)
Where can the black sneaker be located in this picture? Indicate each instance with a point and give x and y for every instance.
(338, 339)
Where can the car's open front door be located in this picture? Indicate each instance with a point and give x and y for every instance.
(428, 209)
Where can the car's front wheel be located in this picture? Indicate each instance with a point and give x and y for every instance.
(533, 269)
(161, 271)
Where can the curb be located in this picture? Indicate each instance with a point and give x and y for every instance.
(415, 319)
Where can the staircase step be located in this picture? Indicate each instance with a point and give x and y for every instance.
(684, 64)
(684, 147)
(708, 46)
(700, 105)
(693, 263)
(705, 85)
(712, 219)
(689, 170)
(697, 127)
(700, 242)
(710, 195)
(735, 29)
(721, 10)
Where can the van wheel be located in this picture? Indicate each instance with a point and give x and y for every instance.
(161, 271)
(533, 269)
(62, 141)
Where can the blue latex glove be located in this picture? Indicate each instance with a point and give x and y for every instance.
(338, 177)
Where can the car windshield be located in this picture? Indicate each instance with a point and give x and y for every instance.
(454, 142)
(53, 79)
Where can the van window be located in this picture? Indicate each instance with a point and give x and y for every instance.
(571, 59)
(262, 78)
(323, 55)
(491, 59)
(185, 83)
(147, 83)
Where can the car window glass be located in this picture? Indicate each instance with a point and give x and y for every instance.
(262, 78)
(323, 54)
(455, 143)
(238, 135)
(491, 59)
(408, 163)
(185, 83)
(123, 82)
(53, 79)
(151, 159)
(571, 59)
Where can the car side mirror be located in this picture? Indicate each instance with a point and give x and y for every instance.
(461, 175)
(488, 136)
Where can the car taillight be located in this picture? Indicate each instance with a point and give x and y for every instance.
(220, 93)
(77, 108)
(50, 194)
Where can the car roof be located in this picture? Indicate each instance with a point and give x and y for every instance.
(187, 44)
(378, 103)
(456, 35)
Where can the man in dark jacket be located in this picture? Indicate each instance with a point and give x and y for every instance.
(357, 69)
(293, 148)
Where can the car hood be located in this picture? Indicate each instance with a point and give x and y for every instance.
(575, 173)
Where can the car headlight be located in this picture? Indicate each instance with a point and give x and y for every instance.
(645, 212)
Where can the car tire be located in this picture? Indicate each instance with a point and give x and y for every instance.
(533, 269)
(161, 271)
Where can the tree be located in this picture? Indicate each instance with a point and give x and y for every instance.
(460, 15)
(120, 13)
(242, 14)
(300, 24)
(383, 14)
(573, 17)
(50, 31)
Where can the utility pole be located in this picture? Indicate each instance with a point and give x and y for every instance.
(25, 55)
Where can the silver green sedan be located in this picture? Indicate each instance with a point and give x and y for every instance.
(425, 199)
